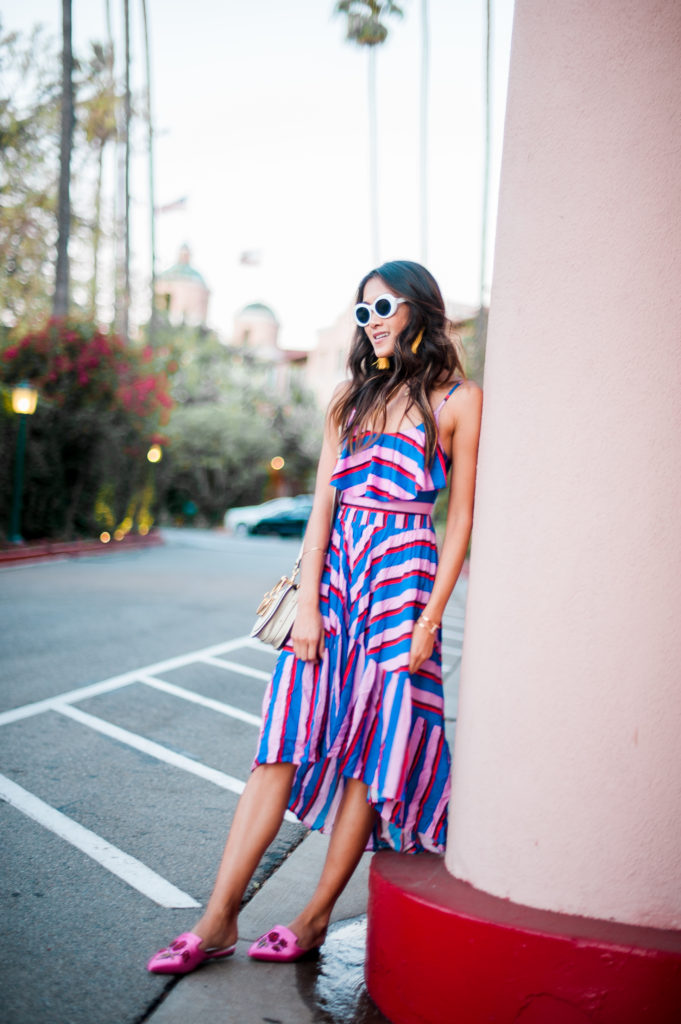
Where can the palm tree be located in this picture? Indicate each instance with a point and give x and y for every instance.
(481, 320)
(486, 153)
(423, 142)
(122, 260)
(60, 304)
(127, 116)
(100, 129)
(117, 168)
(152, 198)
(365, 28)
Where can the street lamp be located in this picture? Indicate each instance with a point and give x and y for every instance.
(24, 401)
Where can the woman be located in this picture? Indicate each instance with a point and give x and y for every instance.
(352, 738)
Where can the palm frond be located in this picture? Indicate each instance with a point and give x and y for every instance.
(365, 26)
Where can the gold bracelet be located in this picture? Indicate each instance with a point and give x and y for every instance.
(308, 550)
(431, 628)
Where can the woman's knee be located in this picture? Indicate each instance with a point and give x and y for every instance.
(278, 771)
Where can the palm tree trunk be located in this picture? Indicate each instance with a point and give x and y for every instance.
(425, 58)
(60, 304)
(152, 197)
(122, 260)
(364, 27)
(373, 155)
(128, 114)
(486, 157)
(116, 150)
(97, 233)
(481, 319)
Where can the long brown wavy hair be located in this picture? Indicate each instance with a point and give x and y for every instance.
(361, 408)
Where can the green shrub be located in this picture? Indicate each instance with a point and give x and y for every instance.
(101, 403)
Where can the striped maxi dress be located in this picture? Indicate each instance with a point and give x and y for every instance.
(359, 713)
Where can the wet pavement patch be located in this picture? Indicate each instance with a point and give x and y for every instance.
(333, 983)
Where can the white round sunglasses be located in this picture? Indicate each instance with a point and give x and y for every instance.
(384, 306)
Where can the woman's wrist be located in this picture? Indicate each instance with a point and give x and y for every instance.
(309, 550)
(430, 625)
(308, 602)
(434, 610)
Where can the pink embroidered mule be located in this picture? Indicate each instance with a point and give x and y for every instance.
(279, 944)
(184, 955)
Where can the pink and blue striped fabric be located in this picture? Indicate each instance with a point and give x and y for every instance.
(392, 467)
(358, 713)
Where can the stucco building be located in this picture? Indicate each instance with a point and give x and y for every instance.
(255, 337)
(182, 293)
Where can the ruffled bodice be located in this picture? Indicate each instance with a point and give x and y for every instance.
(392, 466)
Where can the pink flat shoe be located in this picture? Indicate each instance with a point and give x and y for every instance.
(279, 944)
(183, 955)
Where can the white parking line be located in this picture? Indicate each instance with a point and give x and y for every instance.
(157, 750)
(258, 645)
(115, 682)
(121, 864)
(234, 666)
(198, 698)
(161, 753)
(132, 871)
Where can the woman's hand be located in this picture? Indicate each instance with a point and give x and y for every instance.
(422, 643)
(307, 635)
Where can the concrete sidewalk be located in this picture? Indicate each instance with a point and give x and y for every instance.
(327, 989)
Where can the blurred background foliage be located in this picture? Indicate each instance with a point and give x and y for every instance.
(230, 420)
(104, 399)
(101, 404)
(217, 417)
(30, 104)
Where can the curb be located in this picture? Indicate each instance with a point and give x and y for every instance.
(489, 959)
(41, 551)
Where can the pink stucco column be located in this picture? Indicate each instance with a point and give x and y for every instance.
(567, 774)
(567, 783)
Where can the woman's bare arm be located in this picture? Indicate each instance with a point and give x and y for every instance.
(459, 434)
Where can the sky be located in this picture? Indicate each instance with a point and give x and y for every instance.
(260, 114)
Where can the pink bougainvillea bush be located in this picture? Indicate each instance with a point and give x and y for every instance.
(75, 364)
(101, 403)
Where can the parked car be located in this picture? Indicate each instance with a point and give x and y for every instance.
(239, 520)
(288, 522)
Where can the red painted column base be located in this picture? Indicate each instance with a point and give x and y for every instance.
(441, 952)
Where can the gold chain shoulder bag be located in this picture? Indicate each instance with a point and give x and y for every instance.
(277, 610)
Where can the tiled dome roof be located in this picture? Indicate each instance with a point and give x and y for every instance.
(258, 309)
(182, 270)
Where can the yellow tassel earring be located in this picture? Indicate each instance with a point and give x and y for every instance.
(383, 363)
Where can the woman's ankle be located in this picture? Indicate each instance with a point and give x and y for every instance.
(217, 933)
(310, 928)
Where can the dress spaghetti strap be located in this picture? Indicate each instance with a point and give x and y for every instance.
(449, 394)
